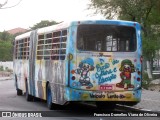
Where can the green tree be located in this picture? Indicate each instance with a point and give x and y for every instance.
(43, 23)
(146, 12)
(135, 10)
(6, 46)
(6, 50)
(5, 36)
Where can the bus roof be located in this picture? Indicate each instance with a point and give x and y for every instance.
(64, 25)
(25, 35)
(109, 22)
(56, 27)
(48, 29)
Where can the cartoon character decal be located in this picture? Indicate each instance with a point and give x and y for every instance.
(84, 67)
(126, 69)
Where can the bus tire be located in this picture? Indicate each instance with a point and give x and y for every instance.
(102, 105)
(28, 96)
(19, 92)
(49, 97)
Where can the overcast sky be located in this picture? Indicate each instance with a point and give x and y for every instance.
(30, 12)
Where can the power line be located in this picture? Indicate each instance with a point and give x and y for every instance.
(1, 5)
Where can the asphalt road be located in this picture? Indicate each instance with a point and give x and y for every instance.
(9, 101)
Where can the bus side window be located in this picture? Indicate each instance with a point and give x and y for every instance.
(20, 53)
(63, 45)
(59, 45)
(55, 52)
(40, 47)
(16, 52)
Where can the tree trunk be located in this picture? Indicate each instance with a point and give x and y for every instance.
(149, 70)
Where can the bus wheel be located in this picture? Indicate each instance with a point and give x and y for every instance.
(49, 97)
(105, 105)
(28, 96)
(19, 92)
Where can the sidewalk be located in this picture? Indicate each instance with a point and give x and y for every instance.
(6, 78)
(150, 101)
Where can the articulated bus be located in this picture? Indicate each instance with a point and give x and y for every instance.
(92, 60)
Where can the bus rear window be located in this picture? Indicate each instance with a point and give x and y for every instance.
(106, 38)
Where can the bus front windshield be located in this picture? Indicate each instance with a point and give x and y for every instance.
(106, 38)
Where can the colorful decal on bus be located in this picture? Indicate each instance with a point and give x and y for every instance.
(126, 69)
(85, 66)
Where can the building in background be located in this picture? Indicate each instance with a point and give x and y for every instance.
(17, 30)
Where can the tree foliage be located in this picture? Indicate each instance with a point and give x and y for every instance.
(146, 12)
(6, 46)
(5, 36)
(43, 23)
(135, 10)
(6, 50)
